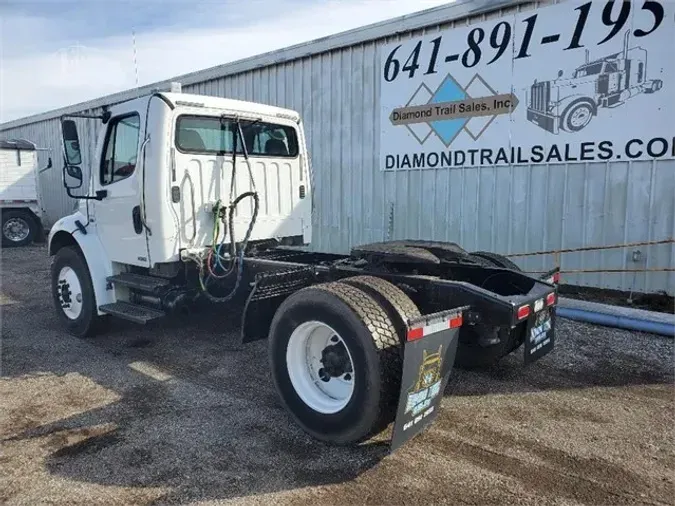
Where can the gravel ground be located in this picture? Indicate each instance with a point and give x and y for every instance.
(175, 414)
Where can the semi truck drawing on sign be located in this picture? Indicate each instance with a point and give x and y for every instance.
(570, 104)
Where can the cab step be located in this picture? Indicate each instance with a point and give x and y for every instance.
(138, 282)
(132, 312)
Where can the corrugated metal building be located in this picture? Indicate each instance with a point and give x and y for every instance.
(335, 84)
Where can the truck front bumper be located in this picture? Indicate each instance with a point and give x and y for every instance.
(543, 120)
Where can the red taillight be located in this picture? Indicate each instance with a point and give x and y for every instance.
(523, 312)
(456, 321)
(550, 299)
(414, 334)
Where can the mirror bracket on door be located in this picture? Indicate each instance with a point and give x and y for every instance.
(104, 117)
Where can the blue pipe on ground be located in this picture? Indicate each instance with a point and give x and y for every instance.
(622, 322)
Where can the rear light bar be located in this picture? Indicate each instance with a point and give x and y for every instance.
(550, 299)
(453, 322)
(523, 312)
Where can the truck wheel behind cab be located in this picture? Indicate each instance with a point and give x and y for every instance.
(73, 293)
(336, 364)
(470, 354)
(18, 228)
(576, 116)
(655, 86)
(497, 260)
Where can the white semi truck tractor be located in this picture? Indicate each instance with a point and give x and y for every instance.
(196, 200)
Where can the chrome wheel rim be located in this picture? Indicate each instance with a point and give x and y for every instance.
(16, 229)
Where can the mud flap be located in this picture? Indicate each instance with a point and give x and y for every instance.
(540, 336)
(429, 355)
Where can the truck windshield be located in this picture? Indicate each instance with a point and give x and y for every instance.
(589, 70)
(214, 135)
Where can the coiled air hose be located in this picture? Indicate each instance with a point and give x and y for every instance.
(236, 257)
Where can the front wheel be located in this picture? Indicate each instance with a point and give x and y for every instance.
(73, 294)
(336, 364)
(576, 116)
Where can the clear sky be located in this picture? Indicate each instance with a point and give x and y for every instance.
(58, 52)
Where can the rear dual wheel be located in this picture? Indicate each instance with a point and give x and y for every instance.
(654, 86)
(335, 355)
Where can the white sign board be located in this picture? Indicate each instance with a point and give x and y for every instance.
(572, 82)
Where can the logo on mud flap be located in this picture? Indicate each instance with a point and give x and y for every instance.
(539, 333)
(428, 384)
(452, 108)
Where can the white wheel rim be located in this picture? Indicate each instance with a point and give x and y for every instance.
(70, 293)
(309, 344)
(16, 229)
(580, 117)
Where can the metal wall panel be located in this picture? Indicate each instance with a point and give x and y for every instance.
(514, 209)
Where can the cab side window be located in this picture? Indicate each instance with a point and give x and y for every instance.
(120, 148)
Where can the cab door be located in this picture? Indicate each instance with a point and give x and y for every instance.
(119, 215)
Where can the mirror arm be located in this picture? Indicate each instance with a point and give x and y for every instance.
(103, 117)
(100, 195)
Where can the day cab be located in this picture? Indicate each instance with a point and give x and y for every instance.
(160, 163)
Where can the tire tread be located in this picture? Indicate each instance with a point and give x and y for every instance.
(397, 297)
(386, 340)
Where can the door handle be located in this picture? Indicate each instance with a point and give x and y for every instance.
(136, 217)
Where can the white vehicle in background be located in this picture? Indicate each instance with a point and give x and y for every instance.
(20, 202)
